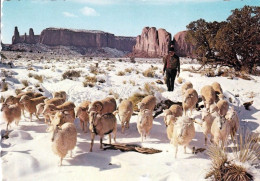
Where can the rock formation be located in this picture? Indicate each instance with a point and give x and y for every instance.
(16, 37)
(31, 38)
(152, 43)
(181, 46)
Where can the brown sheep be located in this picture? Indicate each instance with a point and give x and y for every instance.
(107, 105)
(82, 114)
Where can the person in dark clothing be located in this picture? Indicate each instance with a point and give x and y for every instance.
(171, 67)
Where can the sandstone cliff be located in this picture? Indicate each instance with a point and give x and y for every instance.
(152, 43)
(181, 46)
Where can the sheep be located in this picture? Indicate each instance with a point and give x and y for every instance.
(102, 125)
(82, 114)
(213, 108)
(220, 130)
(189, 101)
(15, 99)
(185, 87)
(67, 106)
(55, 101)
(37, 94)
(147, 102)
(218, 90)
(107, 105)
(64, 139)
(39, 111)
(208, 96)
(125, 111)
(60, 94)
(169, 122)
(174, 110)
(11, 113)
(183, 133)
(221, 97)
(222, 107)
(207, 120)
(233, 121)
(144, 122)
(30, 104)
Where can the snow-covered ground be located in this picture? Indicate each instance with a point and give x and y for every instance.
(27, 154)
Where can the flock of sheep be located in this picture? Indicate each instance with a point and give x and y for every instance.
(100, 116)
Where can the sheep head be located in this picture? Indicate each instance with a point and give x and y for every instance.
(10, 100)
(96, 106)
(24, 99)
(48, 108)
(221, 122)
(4, 107)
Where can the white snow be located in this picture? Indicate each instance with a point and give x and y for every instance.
(27, 154)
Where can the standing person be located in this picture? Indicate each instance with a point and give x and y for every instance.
(172, 67)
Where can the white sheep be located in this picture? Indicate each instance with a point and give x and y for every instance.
(233, 121)
(64, 139)
(186, 86)
(222, 107)
(125, 111)
(102, 125)
(82, 114)
(107, 105)
(31, 103)
(218, 90)
(208, 96)
(11, 113)
(174, 110)
(207, 120)
(148, 102)
(144, 122)
(169, 122)
(189, 100)
(183, 133)
(220, 130)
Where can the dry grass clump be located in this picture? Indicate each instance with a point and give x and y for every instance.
(128, 70)
(93, 69)
(71, 74)
(30, 68)
(136, 98)
(90, 81)
(120, 73)
(150, 72)
(25, 83)
(36, 76)
(46, 67)
(246, 149)
(124, 81)
(2, 99)
(18, 91)
(4, 86)
(151, 88)
(132, 82)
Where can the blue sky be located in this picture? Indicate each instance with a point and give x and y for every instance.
(120, 17)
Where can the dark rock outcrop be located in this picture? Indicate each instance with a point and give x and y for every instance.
(16, 38)
(152, 43)
(181, 46)
(31, 38)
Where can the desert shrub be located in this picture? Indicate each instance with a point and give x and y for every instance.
(25, 83)
(30, 74)
(136, 98)
(102, 81)
(4, 86)
(90, 81)
(38, 77)
(151, 88)
(120, 60)
(225, 167)
(18, 56)
(121, 73)
(128, 70)
(132, 82)
(2, 99)
(93, 69)
(71, 74)
(132, 60)
(124, 81)
(30, 68)
(149, 72)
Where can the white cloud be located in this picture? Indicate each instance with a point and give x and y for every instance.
(71, 15)
(87, 11)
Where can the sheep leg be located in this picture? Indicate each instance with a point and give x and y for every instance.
(176, 150)
(60, 161)
(92, 141)
(82, 125)
(71, 153)
(85, 127)
(37, 116)
(30, 117)
(123, 128)
(109, 138)
(7, 128)
(185, 149)
(206, 139)
(142, 139)
(101, 141)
